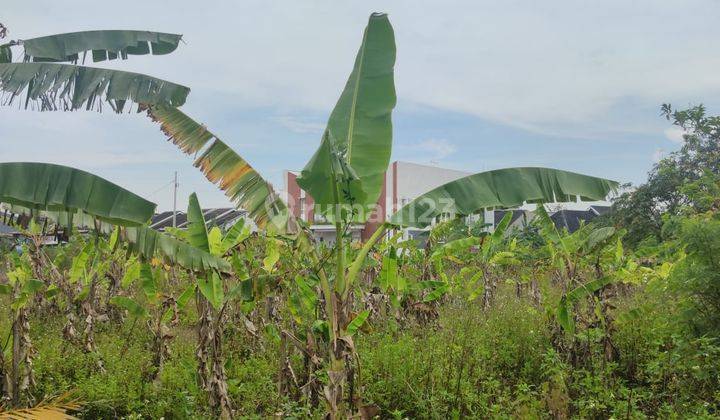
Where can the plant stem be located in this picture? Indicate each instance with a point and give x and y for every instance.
(355, 267)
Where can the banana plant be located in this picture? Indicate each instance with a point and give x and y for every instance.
(344, 176)
(590, 252)
(476, 256)
(212, 301)
(160, 310)
(17, 381)
(49, 78)
(44, 187)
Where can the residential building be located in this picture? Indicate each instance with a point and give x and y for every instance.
(569, 219)
(404, 181)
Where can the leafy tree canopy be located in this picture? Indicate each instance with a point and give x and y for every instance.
(681, 183)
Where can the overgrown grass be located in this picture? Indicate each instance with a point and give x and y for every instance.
(470, 363)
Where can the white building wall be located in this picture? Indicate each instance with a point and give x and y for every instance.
(414, 180)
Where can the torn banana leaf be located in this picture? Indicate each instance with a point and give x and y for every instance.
(510, 187)
(104, 45)
(355, 149)
(51, 87)
(222, 166)
(44, 186)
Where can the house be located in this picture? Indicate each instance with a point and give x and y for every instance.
(571, 220)
(564, 218)
(519, 220)
(404, 181)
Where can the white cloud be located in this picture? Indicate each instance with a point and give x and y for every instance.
(558, 68)
(675, 134)
(437, 148)
(300, 125)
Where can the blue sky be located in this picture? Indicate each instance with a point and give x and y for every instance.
(574, 85)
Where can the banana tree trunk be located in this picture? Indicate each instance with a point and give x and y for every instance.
(489, 291)
(5, 387)
(219, 398)
(88, 310)
(162, 336)
(22, 372)
(211, 367)
(204, 338)
(535, 292)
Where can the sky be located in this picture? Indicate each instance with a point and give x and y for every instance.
(569, 84)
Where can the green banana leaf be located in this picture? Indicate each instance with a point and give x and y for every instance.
(197, 233)
(52, 86)
(510, 187)
(106, 44)
(134, 309)
(224, 167)
(355, 149)
(44, 186)
(149, 243)
(5, 53)
(564, 311)
(78, 218)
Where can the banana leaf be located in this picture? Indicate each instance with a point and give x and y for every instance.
(355, 149)
(51, 87)
(197, 233)
(5, 53)
(77, 219)
(510, 187)
(149, 243)
(44, 186)
(105, 45)
(224, 167)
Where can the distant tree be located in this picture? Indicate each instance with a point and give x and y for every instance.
(675, 183)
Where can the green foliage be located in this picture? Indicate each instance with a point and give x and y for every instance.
(105, 45)
(355, 149)
(674, 182)
(197, 234)
(134, 309)
(574, 325)
(68, 87)
(696, 278)
(212, 288)
(509, 187)
(43, 186)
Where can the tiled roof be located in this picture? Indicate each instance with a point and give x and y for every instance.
(499, 214)
(571, 219)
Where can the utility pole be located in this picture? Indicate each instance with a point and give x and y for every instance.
(175, 188)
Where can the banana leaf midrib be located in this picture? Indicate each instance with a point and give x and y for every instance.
(356, 90)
